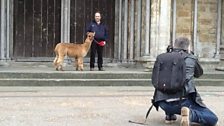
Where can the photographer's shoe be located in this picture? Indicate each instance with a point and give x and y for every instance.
(185, 119)
(170, 119)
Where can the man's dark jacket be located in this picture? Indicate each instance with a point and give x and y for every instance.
(99, 29)
(193, 69)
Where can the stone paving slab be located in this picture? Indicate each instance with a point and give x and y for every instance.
(89, 106)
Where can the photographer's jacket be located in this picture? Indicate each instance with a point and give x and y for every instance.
(193, 69)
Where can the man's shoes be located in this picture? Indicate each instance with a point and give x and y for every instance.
(185, 119)
(170, 119)
(91, 69)
(101, 69)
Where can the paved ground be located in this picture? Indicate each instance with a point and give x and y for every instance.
(88, 106)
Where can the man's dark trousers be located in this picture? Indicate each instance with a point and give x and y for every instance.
(95, 48)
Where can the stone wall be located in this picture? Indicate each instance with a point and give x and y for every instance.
(207, 21)
(184, 18)
(207, 18)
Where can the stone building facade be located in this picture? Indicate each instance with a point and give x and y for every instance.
(156, 27)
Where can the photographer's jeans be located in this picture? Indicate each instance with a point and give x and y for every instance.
(198, 114)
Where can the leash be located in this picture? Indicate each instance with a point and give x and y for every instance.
(146, 116)
(101, 43)
(95, 41)
(137, 122)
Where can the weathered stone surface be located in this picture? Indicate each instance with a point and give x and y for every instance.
(184, 20)
(90, 106)
(183, 13)
(207, 21)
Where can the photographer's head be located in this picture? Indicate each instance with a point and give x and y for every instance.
(182, 43)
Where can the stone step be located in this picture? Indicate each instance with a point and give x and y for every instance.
(94, 82)
(73, 82)
(94, 75)
(117, 77)
(212, 75)
(77, 75)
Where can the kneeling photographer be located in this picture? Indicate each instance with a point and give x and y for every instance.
(175, 91)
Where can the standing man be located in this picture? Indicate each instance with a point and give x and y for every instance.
(99, 41)
(186, 101)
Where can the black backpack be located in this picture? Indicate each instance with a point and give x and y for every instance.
(169, 72)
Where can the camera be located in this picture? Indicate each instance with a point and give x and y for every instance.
(169, 48)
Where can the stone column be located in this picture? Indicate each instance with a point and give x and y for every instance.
(147, 29)
(65, 25)
(116, 32)
(160, 27)
(65, 21)
(120, 30)
(222, 32)
(174, 20)
(218, 29)
(195, 27)
(160, 30)
(131, 30)
(138, 29)
(3, 27)
(125, 31)
(220, 37)
(10, 4)
(6, 29)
